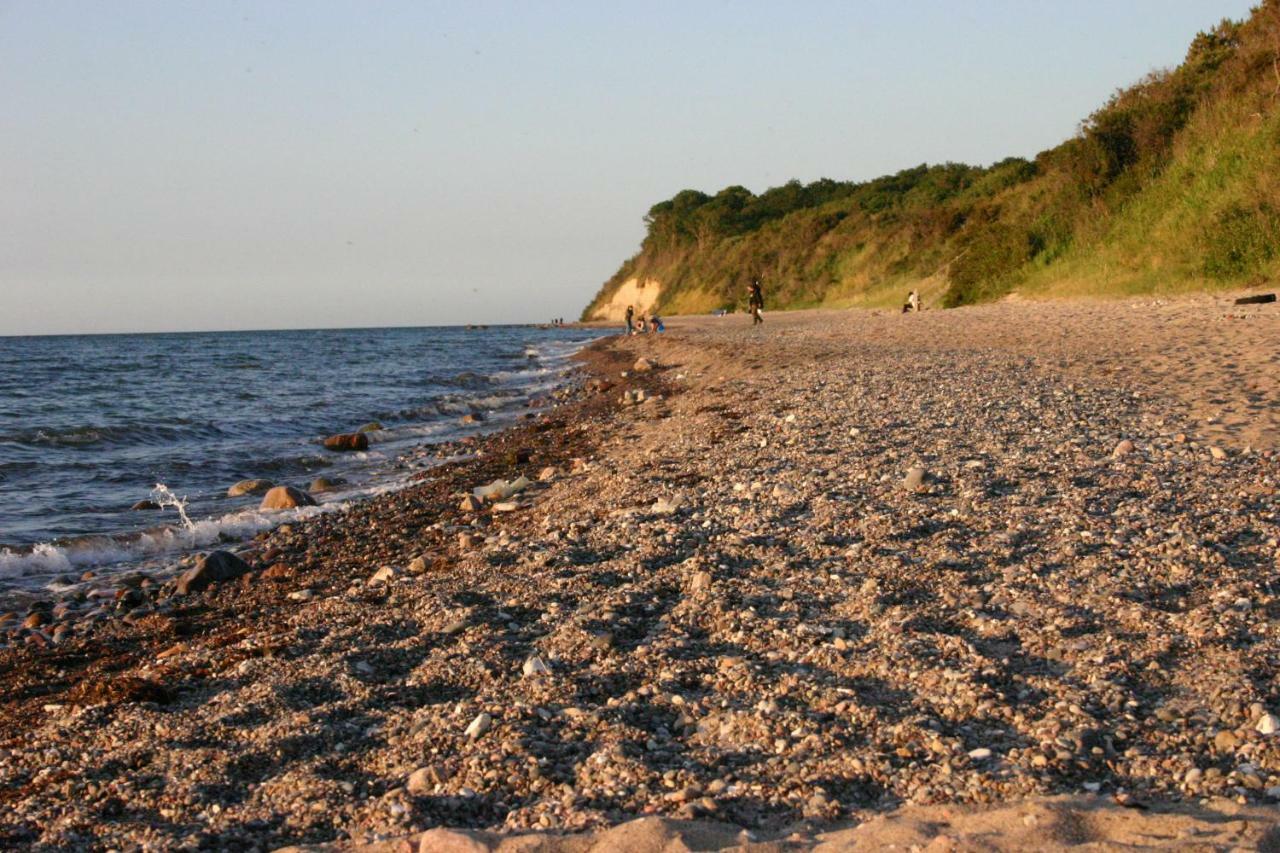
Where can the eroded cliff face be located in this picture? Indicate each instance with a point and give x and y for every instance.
(640, 293)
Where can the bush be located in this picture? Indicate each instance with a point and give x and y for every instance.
(1240, 240)
(986, 264)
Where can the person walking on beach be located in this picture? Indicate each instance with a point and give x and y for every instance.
(756, 302)
(631, 312)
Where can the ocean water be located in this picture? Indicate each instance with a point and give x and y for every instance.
(91, 424)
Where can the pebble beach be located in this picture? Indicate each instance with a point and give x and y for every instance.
(975, 579)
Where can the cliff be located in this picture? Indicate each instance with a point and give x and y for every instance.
(1172, 185)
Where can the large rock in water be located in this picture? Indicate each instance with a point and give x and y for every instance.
(286, 497)
(214, 567)
(347, 442)
(249, 487)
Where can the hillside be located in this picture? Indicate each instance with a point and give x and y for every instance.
(1172, 185)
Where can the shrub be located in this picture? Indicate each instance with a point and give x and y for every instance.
(1240, 240)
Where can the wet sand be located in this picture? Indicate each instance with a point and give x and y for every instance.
(913, 573)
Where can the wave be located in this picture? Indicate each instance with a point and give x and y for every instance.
(133, 434)
(51, 559)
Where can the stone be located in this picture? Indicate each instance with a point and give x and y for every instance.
(372, 426)
(145, 504)
(286, 497)
(470, 503)
(302, 595)
(348, 442)
(473, 418)
(214, 567)
(535, 665)
(442, 840)
(386, 574)
(481, 724)
(664, 506)
(424, 779)
(250, 487)
(35, 620)
(980, 754)
(1226, 741)
(700, 581)
(643, 365)
(1124, 448)
(1268, 724)
(914, 479)
(325, 484)
(1217, 453)
(547, 473)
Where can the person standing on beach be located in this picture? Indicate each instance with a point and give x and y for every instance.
(631, 312)
(756, 302)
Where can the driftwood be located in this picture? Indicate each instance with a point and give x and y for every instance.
(1260, 299)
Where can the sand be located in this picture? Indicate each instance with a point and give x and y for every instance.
(994, 578)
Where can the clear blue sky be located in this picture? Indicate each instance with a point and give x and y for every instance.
(213, 165)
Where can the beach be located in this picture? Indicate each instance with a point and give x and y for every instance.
(972, 579)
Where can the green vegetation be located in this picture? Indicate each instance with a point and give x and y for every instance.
(1174, 184)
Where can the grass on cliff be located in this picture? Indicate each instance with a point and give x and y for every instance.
(1172, 185)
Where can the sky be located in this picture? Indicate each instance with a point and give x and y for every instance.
(172, 166)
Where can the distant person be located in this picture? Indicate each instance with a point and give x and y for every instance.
(655, 324)
(631, 312)
(912, 304)
(755, 300)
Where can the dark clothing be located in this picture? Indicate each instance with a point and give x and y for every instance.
(630, 326)
(756, 303)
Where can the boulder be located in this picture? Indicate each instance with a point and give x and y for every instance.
(145, 504)
(324, 484)
(372, 426)
(914, 480)
(347, 442)
(250, 487)
(286, 497)
(214, 567)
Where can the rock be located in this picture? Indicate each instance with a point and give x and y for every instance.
(473, 418)
(325, 484)
(535, 665)
(1226, 741)
(643, 365)
(386, 574)
(1268, 724)
(250, 487)
(347, 442)
(145, 504)
(442, 840)
(700, 581)
(214, 567)
(470, 503)
(980, 754)
(424, 779)
(278, 572)
(286, 497)
(547, 473)
(467, 541)
(1124, 448)
(505, 506)
(371, 426)
(481, 724)
(1217, 453)
(417, 565)
(36, 619)
(302, 595)
(914, 480)
(664, 506)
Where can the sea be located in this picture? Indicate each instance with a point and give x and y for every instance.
(92, 424)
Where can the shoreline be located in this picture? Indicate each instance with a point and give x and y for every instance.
(744, 606)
